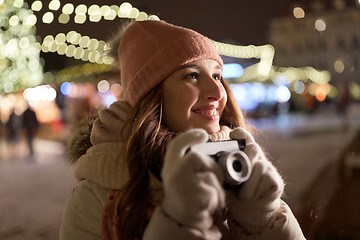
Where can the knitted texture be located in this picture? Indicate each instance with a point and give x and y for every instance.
(109, 125)
(222, 135)
(255, 203)
(150, 51)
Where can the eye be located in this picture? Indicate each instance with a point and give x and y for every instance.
(193, 75)
(217, 76)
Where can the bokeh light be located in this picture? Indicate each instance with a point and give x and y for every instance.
(283, 94)
(36, 6)
(65, 88)
(40, 93)
(299, 87)
(54, 5)
(298, 12)
(232, 70)
(339, 66)
(320, 94)
(103, 86)
(110, 99)
(68, 8)
(48, 17)
(320, 25)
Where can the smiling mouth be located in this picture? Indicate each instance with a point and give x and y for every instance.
(209, 114)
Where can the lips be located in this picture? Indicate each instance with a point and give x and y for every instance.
(208, 112)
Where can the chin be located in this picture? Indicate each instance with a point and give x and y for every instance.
(211, 129)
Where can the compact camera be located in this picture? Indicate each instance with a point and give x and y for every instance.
(231, 158)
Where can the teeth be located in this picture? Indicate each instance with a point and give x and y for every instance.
(209, 112)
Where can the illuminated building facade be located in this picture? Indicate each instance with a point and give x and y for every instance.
(326, 37)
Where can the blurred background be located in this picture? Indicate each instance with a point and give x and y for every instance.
(293, 66)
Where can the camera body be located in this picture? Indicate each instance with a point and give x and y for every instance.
(230, 157)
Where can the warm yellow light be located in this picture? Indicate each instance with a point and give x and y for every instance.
(71, 36)
(48, 41)
(154, 17)
(18, 3)
(44, 48)
(355, 90)
(84, 41)
(31, 20)
(81, 9)
(320, 25)
(104, 9)
(68, 8)
(79, 53)
(298, 12)
(115, 8)
(101, 45)
(53, 47)
(64, 18)
(48, 17)
(36, 6)
(108, 60)
(320, 94)
(110, 15)
(103, 86)
(93, 44)
(339, 66)
(142, 16)
(134, 13)
(95, 16)
(93, 8)
(85, 57)
(62, 49)
(80, 19)
(24, 42)
(14, 20)
(94, 56)
(70, 50)
(125, 10)
(116, 89)
(60, 38)
(54, 5)
(77, 40)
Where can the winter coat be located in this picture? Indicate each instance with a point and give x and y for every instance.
(103, 168)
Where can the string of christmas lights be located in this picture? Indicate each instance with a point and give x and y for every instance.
(74, 45)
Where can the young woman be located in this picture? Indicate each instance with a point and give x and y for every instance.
(137, 180)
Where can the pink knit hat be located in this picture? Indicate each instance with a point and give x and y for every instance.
(150, 51)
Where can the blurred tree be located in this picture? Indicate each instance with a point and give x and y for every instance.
(20, 65)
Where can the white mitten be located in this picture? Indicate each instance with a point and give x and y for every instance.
(192, 182)
(253, 205)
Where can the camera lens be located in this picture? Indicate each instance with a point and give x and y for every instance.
(237, 166)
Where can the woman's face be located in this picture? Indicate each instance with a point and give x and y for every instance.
(194, 97)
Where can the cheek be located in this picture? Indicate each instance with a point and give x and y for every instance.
(177, 106)
(224, 99)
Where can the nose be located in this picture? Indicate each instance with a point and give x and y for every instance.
(212, 89)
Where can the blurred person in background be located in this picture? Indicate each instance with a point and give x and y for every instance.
(30, 124)
(136, 179)
(13, 127)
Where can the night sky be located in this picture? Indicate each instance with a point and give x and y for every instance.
(232, 21)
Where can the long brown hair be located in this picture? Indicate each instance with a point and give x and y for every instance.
(129, 209)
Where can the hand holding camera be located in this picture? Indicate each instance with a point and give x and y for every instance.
(232, 160)
(253, 205)
(192, 183)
